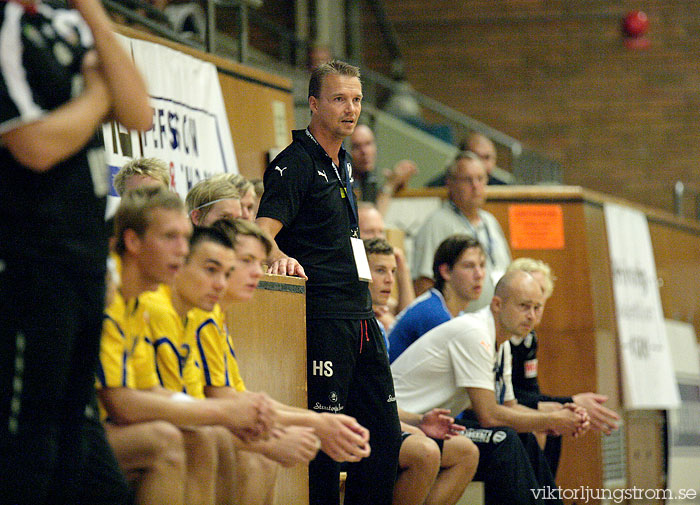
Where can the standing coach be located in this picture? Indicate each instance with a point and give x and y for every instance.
(309, 208)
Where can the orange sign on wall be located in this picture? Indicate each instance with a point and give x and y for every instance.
(536, 226)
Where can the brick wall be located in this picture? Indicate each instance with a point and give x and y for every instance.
(556, 75)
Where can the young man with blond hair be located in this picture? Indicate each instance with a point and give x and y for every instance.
(152, 233)
(247, 191)
(212, 199)
(141, 172)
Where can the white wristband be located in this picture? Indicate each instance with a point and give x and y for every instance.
(181, 397)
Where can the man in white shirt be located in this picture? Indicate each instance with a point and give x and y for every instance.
(465, 363)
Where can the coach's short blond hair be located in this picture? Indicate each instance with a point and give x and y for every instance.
(135, 208)
(150, 167)
(531, 265)
(333, 67)
(209, 191)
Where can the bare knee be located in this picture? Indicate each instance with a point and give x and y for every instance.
(224, 440)
(166, 444)
(205, 437)
(256, 466)
(460, 451)
(420, 452)
(202, 449)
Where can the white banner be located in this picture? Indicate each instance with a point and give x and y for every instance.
(683, 428)
(647, 372)
(190, 129)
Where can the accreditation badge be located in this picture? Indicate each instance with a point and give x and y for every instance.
(361, 263)
(531, 369)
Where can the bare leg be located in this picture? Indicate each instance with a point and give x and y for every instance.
(226, 477)
(460, 458)
(153, 456)
(419, 463)
(201, 449)
(256, 475)
(541, 439)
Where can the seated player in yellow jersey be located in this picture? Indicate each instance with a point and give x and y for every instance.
(152, 234)
(200, 283)
(342, 437)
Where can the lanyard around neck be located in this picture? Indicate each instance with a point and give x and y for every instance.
(346, 188)
(500, 382)
(488, 247)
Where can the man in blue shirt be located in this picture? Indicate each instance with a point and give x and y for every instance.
(459, 268)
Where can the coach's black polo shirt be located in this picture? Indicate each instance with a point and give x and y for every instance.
(56, 217)
(303, 192)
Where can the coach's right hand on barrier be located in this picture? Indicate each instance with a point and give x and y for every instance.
(287, 266)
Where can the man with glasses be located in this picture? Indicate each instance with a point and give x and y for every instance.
(462, 213)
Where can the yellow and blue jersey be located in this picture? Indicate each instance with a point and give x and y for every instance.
(124, 352)
(174, 349)
(215, 348)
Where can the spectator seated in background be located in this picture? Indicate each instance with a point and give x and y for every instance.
(483, 147)
(372, 226)
(525, 383)
(212, 199)
(152, 232)
(462, 213)
(431, 470)
(465, 363)
(366, 181)
(459, 268)
(142, 172)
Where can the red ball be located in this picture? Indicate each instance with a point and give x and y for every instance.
(635, 24)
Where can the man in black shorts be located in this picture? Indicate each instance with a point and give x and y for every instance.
(55, 91)
(309, 208)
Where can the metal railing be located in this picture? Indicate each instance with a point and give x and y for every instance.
(156, 21)
(288, 47)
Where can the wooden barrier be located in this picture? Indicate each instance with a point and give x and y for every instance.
(578, 336)
(270, 343)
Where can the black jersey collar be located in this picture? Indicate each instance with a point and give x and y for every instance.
(308, 140)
